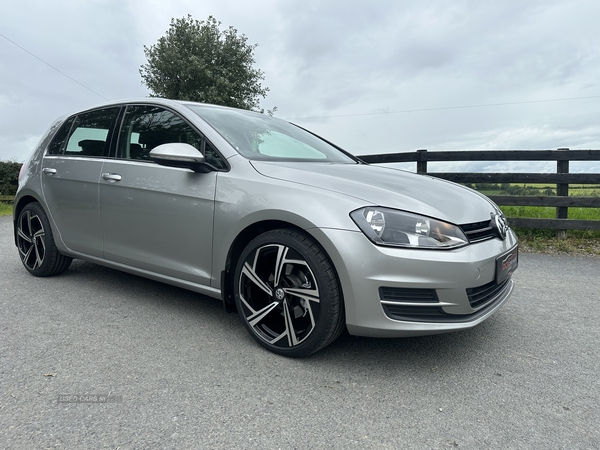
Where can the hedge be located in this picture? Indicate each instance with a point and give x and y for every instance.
(9, 177)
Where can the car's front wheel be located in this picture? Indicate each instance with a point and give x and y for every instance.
(36, 245)
(287, 293)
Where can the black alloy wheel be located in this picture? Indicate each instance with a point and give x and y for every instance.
(287, 293)
(35, 241)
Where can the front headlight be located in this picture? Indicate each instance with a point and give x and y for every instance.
(384, 226)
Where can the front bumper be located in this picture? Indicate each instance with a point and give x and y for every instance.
(395, 292)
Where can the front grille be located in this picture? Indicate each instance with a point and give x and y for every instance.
(481, 295)
(406, 295)
(479, 231)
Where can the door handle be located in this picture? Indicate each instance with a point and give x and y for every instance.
(49, 171)
(111, 177)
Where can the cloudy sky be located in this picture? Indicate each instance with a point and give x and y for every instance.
(374, 77)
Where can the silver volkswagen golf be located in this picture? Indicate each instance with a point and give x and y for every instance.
(299, 237)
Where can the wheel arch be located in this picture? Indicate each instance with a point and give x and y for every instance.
(236, 248)
(239, 244)
(22, 203)
(38, 235)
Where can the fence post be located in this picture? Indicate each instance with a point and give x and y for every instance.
(421, 161)
(562, 190)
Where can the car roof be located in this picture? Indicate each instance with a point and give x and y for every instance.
(149, 100)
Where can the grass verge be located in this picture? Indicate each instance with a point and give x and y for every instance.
(6, 208)
(586, 243)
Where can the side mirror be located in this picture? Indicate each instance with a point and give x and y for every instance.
(180, 155)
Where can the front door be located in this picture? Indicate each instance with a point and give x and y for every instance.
(157, 218)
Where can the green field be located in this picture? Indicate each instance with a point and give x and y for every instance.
(543, 212)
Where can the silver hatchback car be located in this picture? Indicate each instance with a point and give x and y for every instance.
(299, 237)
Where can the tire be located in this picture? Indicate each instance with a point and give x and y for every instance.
(287, 293)
(35, 242)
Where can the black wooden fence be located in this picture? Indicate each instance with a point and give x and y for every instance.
(562, 178)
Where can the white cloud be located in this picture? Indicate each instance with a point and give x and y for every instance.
(333, 58)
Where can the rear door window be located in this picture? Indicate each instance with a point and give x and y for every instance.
(57, 146)
(90, 133)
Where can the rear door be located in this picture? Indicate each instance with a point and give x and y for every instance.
(70, 173)
(157, 218)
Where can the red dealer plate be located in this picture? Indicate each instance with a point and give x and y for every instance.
(506, 265)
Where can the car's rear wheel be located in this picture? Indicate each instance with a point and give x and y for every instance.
(36, 245)
(287, 293)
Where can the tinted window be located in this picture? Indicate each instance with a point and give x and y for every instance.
(89, 134)
(146, 127)
(57, 145)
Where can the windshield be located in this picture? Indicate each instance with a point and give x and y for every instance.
(258, 136)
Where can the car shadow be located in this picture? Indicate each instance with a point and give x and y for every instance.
(443, 352)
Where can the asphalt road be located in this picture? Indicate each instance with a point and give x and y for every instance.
(184, 374)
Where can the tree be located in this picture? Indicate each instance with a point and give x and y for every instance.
(197, 61)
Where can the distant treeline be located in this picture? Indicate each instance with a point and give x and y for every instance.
(512, 189)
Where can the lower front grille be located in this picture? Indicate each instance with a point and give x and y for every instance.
(480, 296)
(408, 295)
(415, 313)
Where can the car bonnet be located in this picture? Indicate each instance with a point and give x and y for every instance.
(388, 187)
